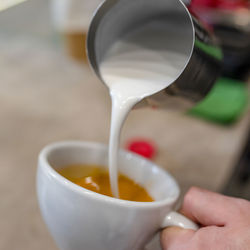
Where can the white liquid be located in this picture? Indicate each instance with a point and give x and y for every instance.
(133, 72)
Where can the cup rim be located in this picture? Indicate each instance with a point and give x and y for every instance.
(43, 163)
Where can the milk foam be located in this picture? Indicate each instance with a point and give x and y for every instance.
(134, 68)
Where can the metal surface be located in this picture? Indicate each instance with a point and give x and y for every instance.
(116, 18)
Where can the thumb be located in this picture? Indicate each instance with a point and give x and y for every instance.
(174, 237)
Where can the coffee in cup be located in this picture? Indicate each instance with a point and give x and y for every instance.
(96, 179)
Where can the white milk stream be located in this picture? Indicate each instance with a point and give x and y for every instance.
(132, 73)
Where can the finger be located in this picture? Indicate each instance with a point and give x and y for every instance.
(175, 237)
(207, 208)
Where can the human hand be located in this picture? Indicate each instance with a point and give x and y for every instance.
(225, 223)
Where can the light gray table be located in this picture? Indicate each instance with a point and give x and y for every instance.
(46, 97)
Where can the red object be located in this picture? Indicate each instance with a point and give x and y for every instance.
(143, 148)
(204, 3)
(220, 4)
(232, 5)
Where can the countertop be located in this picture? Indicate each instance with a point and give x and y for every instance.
(45, 97)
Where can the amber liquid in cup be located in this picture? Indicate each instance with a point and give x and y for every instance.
(96, 179)
(75, 45)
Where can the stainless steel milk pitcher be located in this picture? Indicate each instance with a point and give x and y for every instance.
(116, 18)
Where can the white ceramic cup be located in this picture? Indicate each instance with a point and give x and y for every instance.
(79, 219)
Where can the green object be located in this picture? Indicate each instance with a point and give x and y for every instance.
(211, 50)
(225, 102)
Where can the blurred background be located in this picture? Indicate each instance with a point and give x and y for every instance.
(49, 93)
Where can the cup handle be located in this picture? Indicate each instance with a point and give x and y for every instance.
(172, 219)
(179, 220)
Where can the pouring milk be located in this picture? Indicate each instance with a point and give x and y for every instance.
(134, 68)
